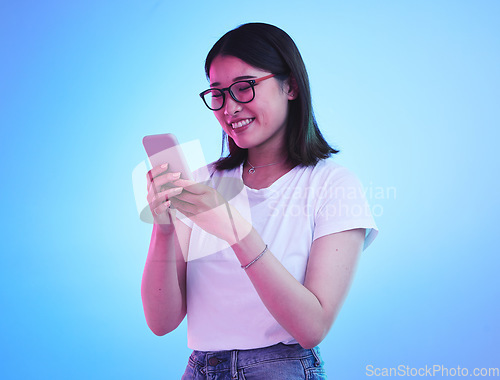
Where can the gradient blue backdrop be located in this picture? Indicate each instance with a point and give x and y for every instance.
(408, 90)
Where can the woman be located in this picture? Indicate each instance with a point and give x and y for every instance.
(261, 256)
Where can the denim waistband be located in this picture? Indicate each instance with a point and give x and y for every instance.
(233, 360)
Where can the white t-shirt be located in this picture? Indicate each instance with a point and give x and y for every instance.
(224, 311)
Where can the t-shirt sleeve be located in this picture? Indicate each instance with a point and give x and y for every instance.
(343, 206)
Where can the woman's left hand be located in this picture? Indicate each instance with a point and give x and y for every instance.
(206, 207)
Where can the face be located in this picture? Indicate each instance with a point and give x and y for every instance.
(260, 123)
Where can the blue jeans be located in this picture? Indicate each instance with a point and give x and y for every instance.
(278, 362)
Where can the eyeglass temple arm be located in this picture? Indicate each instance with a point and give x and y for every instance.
(263, 78)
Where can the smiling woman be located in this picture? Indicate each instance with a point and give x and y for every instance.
(261, 285)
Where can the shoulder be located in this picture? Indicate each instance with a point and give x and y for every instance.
(329, 180)
(328, 171)
(329, 165)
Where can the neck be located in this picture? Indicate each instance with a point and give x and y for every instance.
(266, 163)
(272, 151)
(265, 170)
(259, 158)
(268, 166)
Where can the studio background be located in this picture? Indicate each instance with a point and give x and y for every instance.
(407, 90)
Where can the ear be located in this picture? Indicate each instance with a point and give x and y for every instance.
(293, 88)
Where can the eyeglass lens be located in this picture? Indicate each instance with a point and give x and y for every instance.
(240, 91)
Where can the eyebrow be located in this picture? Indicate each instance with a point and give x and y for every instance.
(243, 77)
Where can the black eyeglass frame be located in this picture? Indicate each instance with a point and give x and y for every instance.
(251, 82)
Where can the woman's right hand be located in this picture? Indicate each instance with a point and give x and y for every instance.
(160, 190)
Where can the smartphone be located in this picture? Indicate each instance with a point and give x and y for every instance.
(165, 148)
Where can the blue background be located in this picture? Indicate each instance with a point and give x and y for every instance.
(407, 90)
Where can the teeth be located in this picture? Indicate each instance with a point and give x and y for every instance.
(241, 123)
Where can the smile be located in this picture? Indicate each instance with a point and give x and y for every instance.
(241, 123)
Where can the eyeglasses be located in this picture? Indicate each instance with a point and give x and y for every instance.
(242, 92)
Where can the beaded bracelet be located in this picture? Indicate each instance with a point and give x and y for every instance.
(254, 260)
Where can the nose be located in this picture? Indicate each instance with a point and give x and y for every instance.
(231, 107)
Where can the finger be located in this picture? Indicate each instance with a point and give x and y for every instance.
(162, 180)
(156, 199)
(191, 186)
(156, 171)
(157, 211)
(159, 169)
(188, 197)
(191, 209)
(186, 208)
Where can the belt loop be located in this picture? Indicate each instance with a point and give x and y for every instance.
(316, 356)
(234, 364)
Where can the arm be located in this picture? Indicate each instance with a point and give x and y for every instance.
(163, 287)
(306, 311)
